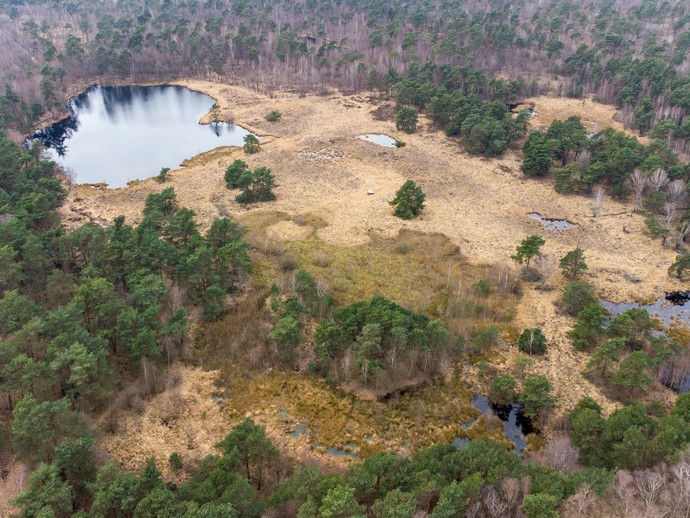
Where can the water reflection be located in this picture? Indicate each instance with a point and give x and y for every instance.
(515, 425)
(118, 134)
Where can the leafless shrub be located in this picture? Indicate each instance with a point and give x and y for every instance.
(174, 380)
(622, 491)
(675, 191)
(136, 404)
(560, 454)
(581, 503)
(256, 355)
(321, 259)
(546, 265)
(506, 278)
(495, 505)
(474, 510)
(288, 262)
(637, 184)
(111, 424)
(69, 175)
(171, 408)
(649, 483)
(597, 199)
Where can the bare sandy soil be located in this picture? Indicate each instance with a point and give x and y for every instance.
(480, 204)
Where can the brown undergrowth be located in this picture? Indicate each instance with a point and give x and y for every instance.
(423, 272)
(323, 220)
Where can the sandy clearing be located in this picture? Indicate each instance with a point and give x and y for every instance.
(480, 204)
(595, 116)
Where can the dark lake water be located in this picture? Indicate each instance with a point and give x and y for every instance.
(515, 425)
(118, 134)
(667, 312)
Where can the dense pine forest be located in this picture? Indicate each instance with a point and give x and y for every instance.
(396, 334)
(632, 54)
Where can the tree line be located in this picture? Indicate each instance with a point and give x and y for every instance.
(641, 67)
(249, 478)
(80, 310)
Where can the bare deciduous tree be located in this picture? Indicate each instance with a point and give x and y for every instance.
(622, 490)
(681, 489)
(511, 489)
(637, 184)
(583, 502)
(658, 180)
(546, 266)
(584, 157)
(560, 454)
(597, 199)
(669, 211)
(682, 233)
(676, 191)
(649, 483)
(493, 502)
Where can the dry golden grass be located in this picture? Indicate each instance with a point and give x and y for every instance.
(183, 419)
(595, 116)
(481, 205)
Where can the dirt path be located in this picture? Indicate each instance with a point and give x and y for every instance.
(480, 204)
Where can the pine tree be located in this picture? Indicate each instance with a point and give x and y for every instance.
(537, 160)
(408, 201)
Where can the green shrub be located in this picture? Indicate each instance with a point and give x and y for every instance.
(502, 391)
(532, 341)
(273, 116)
(163, 175)
(482, 288)
(577, 295)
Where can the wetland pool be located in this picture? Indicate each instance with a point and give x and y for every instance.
(116, 134)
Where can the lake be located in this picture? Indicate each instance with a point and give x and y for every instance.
(118, 134)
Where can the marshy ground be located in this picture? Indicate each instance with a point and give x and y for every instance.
(325, 219)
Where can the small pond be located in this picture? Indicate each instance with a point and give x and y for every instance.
(381, 140)
(662, 308)
(672, 308)
(300, 429)
(348, 451)
(552, 224)
(118, 134)
(515, 425)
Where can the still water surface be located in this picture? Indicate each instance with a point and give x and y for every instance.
(118, 134)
